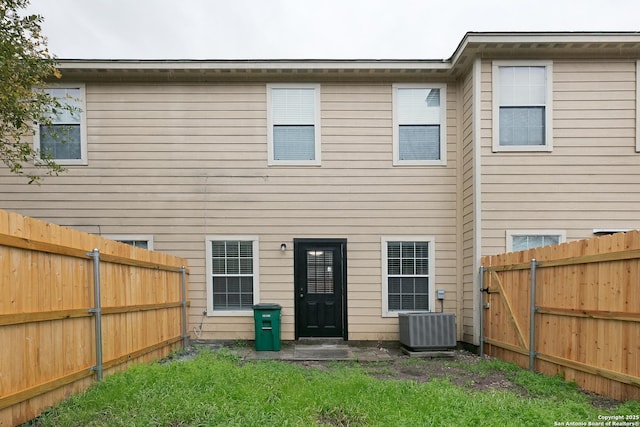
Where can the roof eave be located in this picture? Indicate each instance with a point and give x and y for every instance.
(473, 44)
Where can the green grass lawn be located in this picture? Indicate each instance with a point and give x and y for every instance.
(219, 389)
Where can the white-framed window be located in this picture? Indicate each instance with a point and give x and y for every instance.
(522, 105)
(136, 240)
(608, 231)
(293, 120)
(419, 124)
(65, 139)
(520, 240)
(407, 274)
(232, 275)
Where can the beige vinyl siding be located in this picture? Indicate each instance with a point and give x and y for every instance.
(185, 161)
(590, 180)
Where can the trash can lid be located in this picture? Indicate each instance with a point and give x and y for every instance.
(267, 306)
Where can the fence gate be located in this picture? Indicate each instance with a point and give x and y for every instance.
(570, 309)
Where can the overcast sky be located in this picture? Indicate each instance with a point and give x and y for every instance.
(306, 29)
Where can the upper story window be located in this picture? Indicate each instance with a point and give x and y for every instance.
(419, 124)
(522, 106)
(520, 240)
(65, 138)
(293, 118)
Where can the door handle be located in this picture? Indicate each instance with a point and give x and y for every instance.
(301, 295)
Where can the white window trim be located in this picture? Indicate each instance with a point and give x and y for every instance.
(209, 269)
(317, 122)
(548, 147)
(511, 233)
(83, 160)
(432, 278)
(443, 125)
(140, 237)
(638, 106)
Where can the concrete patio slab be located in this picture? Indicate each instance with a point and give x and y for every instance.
(314, 351)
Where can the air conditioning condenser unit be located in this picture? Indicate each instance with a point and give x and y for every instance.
(427, 331)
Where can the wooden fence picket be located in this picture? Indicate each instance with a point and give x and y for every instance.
(587, 317)
(47, 330)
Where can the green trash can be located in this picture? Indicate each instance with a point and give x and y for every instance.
(266, 317)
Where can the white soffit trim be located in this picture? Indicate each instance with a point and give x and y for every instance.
(253, 64)
(551, 38)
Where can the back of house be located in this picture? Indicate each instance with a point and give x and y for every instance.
(347, 191)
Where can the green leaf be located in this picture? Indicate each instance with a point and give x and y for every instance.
(25, 68)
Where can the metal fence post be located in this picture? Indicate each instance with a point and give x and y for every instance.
(532, 313)
(185, 337)
(97, 311)
(481, 316)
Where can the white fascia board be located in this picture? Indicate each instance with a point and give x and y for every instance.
(553, 37)
(252, 65)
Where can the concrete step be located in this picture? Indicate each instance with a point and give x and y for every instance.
(322, 352)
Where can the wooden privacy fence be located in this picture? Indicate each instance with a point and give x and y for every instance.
(584, 299)
(74, 305)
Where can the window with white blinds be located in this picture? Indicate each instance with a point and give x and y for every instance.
(419, 124)
(232, 274)
(320, 272)
(64, 139)
(520, 240)
(522, 106)
(136, 240)
(294, 125)
(407, 274)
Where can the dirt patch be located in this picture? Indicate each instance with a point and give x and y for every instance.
(322, 366)
(462, 370)
(458, 369)
(181, 355)
(338, 417)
